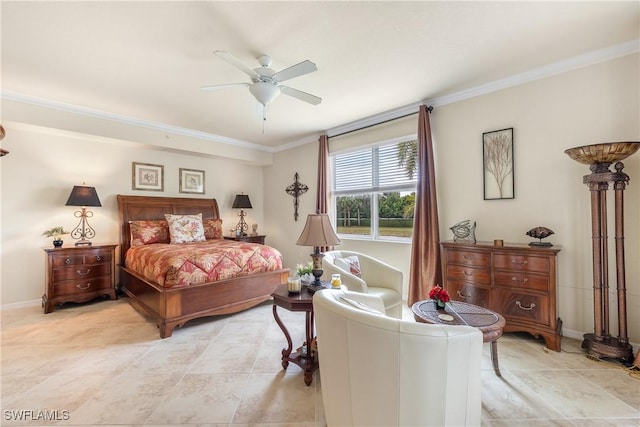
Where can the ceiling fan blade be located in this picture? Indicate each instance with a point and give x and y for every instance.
(224, 86)
(302, 96)
(237, 63)
(305, 67)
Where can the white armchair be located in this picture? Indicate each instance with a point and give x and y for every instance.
(379, 371)
(376, 278)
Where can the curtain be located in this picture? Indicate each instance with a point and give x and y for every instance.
(322, 204)
(322, 195)
(425, 270)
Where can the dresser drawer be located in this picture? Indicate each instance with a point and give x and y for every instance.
(481, 276)
(522, 306)
(81, 272)
(98, 258)
(468, 258)
(521, 263)
(466, 292)
(516, 279)
(95, 257)
(81, 286)
(64, 260)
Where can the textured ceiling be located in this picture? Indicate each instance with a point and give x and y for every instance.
(147, 60)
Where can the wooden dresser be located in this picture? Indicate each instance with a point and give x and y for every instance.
(79, 274)
(515, 280)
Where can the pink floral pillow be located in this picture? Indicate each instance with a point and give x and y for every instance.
(185, 228)
(350, 264)
(212, 228)
(147, 232)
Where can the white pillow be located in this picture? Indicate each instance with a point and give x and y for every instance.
(185, 228)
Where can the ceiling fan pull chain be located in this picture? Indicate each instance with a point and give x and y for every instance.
(264, 117)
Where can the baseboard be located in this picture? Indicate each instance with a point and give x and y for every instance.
(570, 333)
(23, 304)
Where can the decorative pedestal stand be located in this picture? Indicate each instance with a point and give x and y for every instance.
(600, 156)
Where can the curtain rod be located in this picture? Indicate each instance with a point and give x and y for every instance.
(429, 109)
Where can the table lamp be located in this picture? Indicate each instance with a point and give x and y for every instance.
(241, 202)
(318, 232)
(83, 196)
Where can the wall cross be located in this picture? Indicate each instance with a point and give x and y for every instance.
(296, 190)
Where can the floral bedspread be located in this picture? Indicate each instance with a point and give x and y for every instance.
(179, 265)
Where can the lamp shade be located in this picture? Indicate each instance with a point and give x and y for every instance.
(318, 232)
(241, 202)
(83, 196)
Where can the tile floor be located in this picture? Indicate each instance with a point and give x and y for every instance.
(102, 363)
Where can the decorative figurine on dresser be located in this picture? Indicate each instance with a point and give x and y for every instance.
(464, 230)
(599, 157)
(514, 279)
(79, 274)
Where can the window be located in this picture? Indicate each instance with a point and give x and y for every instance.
(374, 190)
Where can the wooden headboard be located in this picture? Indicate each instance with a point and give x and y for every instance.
(136, 208)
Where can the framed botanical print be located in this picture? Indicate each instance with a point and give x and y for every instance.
(191, 181)
(147, 177)
(497, 154)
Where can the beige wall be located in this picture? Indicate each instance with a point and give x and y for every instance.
(586, 106)
(44, 164)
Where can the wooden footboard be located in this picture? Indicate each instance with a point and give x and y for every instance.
(174, 307)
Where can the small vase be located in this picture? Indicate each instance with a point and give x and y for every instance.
(57, 243)
(440, 305)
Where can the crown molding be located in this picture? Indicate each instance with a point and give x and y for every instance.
(569, 64)
(131, 121)
(590, 58)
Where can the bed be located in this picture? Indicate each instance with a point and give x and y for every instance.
(174, 306)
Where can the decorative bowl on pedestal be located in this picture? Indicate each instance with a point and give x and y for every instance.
(603, 154)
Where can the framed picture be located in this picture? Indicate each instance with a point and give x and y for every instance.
(497, 170)
(191, 181)
(147, 177)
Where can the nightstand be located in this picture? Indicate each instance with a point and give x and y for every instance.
(248, 239)
(79, 274)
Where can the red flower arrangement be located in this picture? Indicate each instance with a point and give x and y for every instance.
(439, 294)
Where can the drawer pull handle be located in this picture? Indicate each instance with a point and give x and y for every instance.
(67, 261)
(461, 295)
(514, 261)
(531, 307)
(83, 287)
(515, 279)
(98, 258)
(467, 273)
(467, 257)
(80, 273)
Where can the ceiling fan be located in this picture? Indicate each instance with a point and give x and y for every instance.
(265, 83)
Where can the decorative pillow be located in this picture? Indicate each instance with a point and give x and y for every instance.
(147, 232)
(212, 228)
(185, 228)
(361, 306)
(350, 264)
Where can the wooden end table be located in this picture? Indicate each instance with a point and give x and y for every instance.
(307, 357)
(79, 274)
(259, 238)
(489, 322)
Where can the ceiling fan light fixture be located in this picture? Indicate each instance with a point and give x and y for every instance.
(264, 92)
